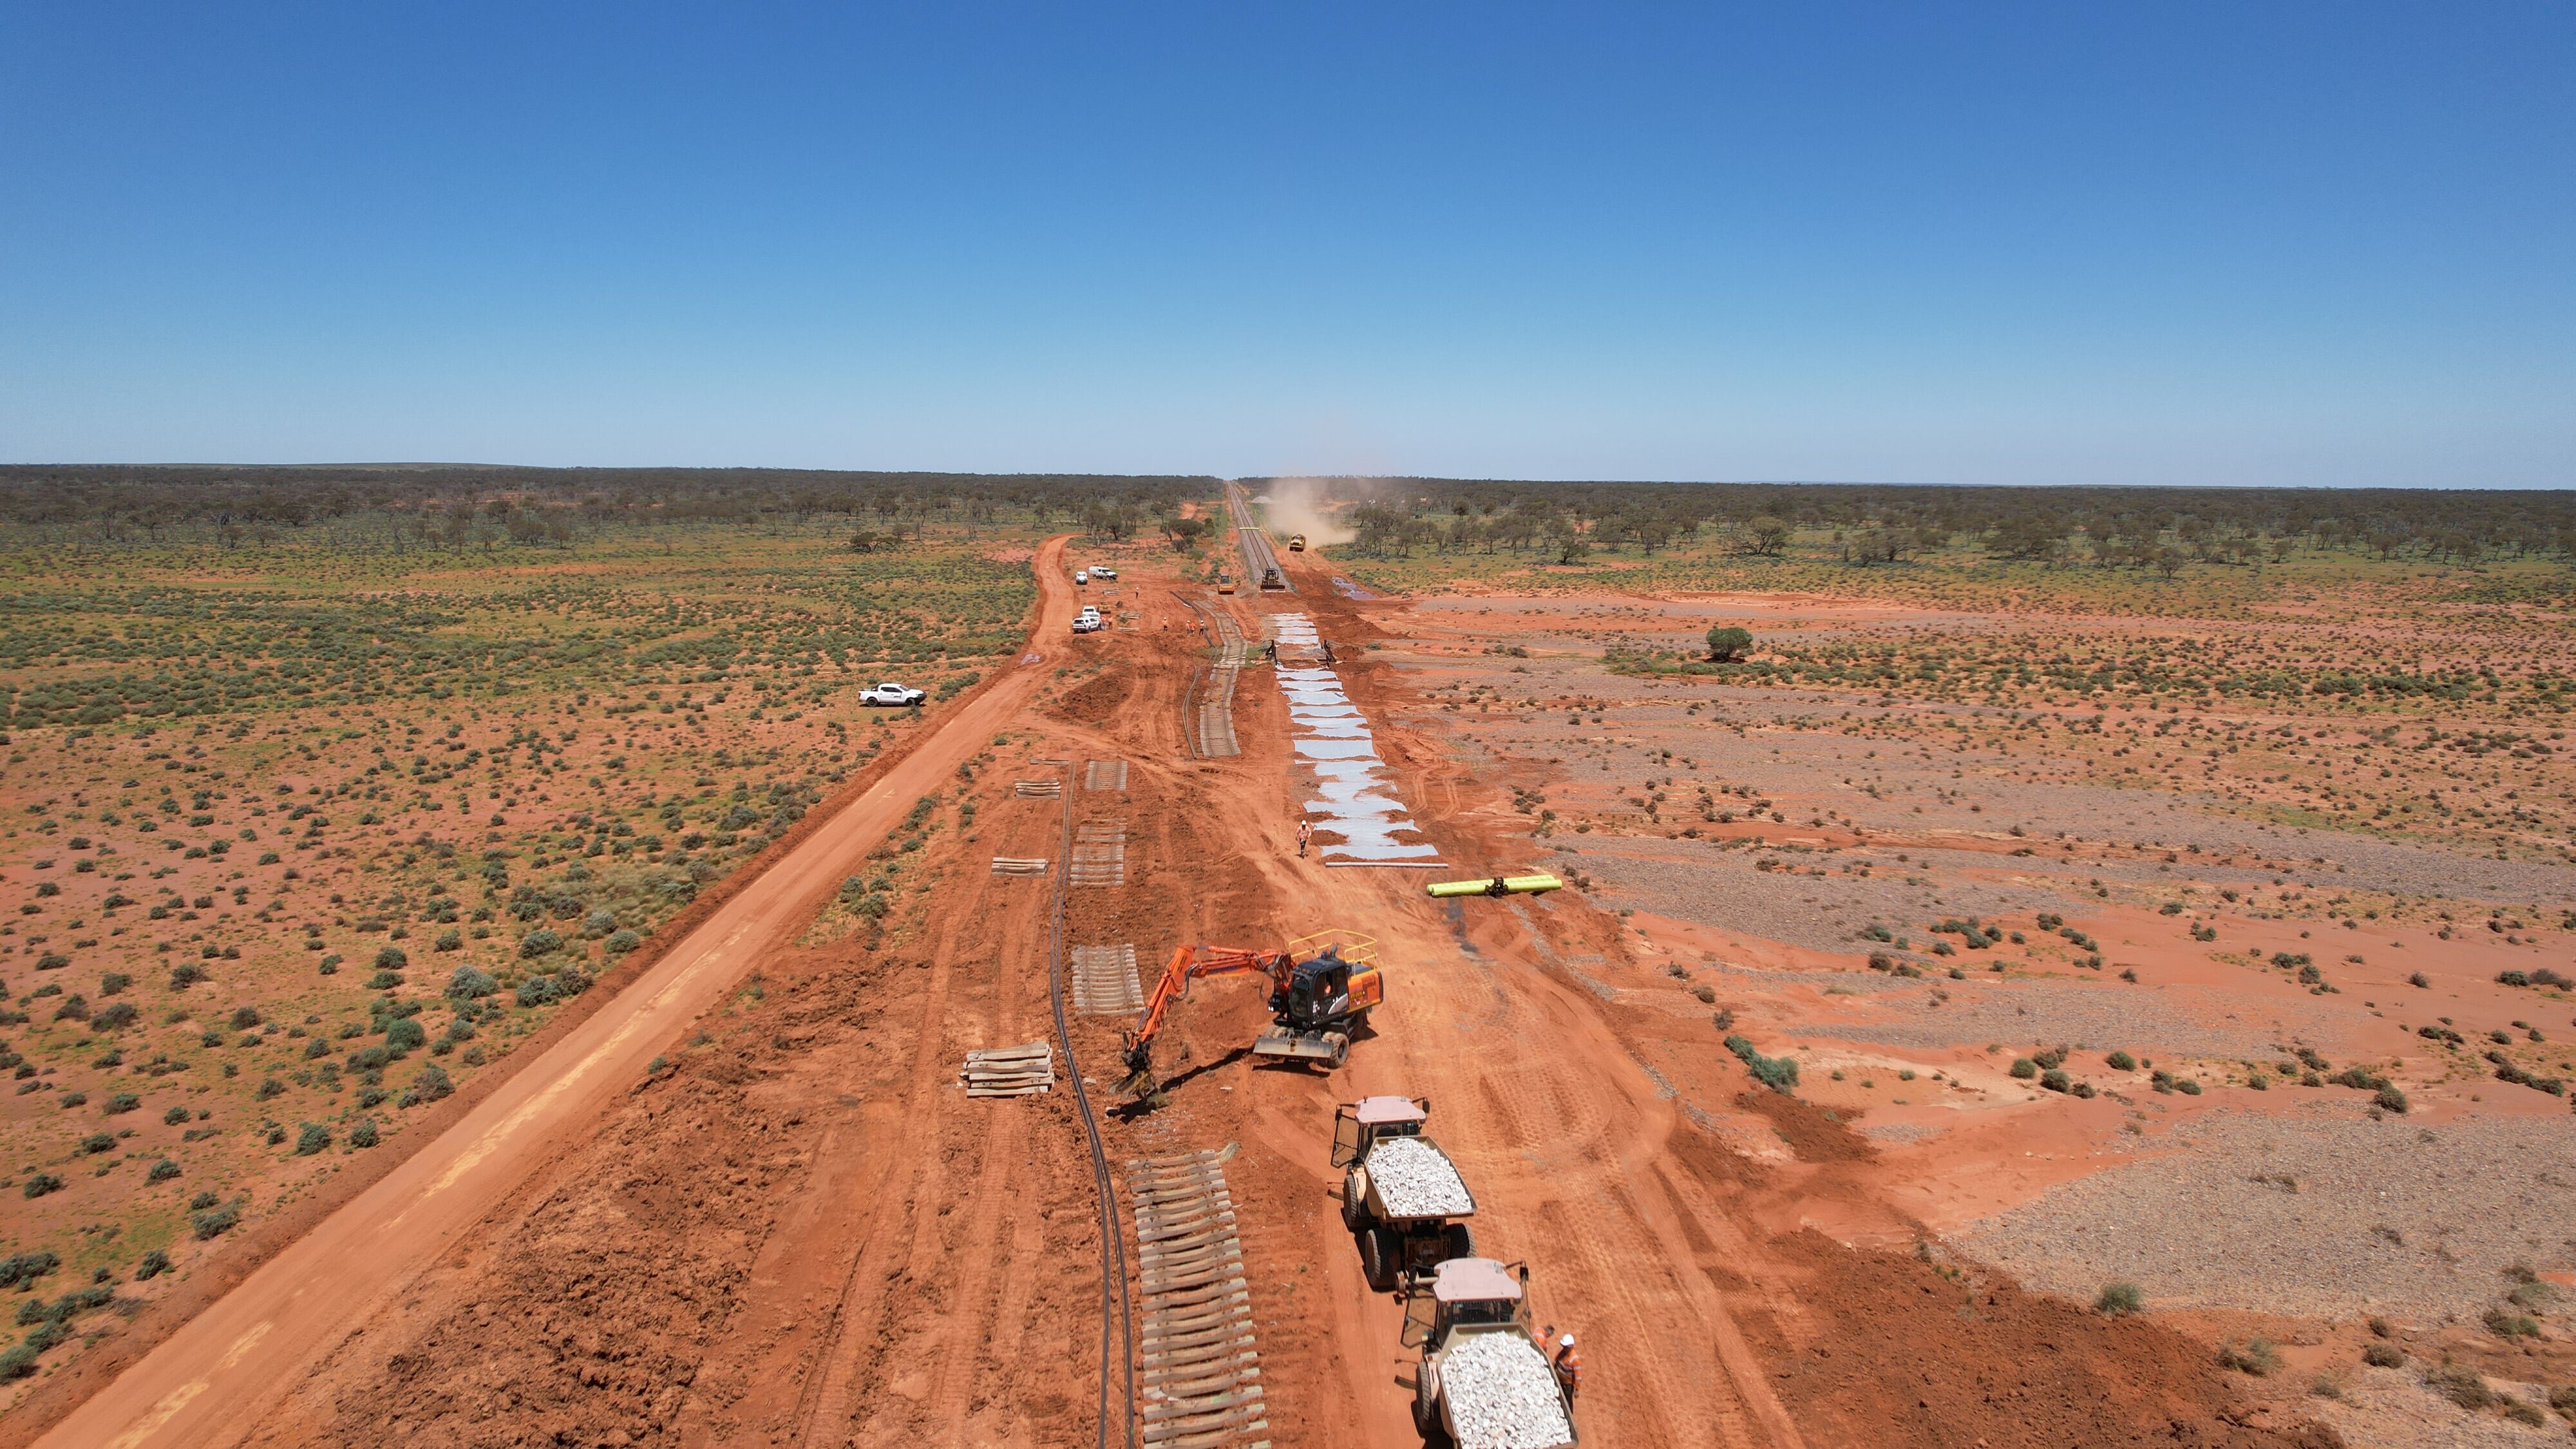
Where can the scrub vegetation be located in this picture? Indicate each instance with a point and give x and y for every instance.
(323, 789)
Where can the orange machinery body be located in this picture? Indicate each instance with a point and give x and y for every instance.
(1314, 1003)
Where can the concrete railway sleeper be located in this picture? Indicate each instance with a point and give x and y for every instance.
(1199, 1363)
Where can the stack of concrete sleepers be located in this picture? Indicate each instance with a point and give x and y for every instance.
(1198, 1368)
(1010, 1071)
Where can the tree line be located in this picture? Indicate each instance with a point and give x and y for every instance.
(2160, 528)
(440, 506)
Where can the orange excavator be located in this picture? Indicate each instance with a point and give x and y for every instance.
(1314, 1002)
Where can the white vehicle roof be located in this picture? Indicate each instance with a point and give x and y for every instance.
(1380, 1111)
(1474, 1280)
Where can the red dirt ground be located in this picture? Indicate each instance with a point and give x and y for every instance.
(799, 1231)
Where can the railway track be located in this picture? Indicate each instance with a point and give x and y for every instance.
(1117, 1314)
(1260, 560)
(1207, 710)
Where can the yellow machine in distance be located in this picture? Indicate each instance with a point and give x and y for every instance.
(1501, 885)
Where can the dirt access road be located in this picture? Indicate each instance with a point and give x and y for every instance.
(214, 1380)
(804, 1234)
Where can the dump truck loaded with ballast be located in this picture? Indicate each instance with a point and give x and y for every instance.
(1402, 1197)
(1483, 1382)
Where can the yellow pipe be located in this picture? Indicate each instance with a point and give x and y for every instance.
(1501, 885)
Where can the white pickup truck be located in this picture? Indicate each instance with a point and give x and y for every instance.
(1103, 571)
(1088, 621)
(890, 693)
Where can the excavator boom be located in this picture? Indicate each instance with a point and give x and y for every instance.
(1188, 963)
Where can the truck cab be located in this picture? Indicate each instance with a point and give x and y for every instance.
(1357, 1126)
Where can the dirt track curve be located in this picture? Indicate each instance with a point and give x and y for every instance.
(804, 1233)
(214, 1379)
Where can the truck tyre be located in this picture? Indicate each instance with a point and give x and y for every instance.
(1355, 1213)
(1457, 1242)
(1380, 1255)
(1341, 1046)
(1426, 1410)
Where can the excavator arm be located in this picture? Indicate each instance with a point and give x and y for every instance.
(1188, 963)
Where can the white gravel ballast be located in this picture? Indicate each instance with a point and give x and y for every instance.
(1417, 1180)
(1502, 1394)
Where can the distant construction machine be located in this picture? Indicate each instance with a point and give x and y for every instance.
(1296, 543)
(1501, 885)
(1271, 580)
(1315, 1003)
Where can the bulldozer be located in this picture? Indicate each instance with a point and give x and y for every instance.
(1315, 1002)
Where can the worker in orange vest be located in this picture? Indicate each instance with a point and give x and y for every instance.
(1569, 1367)
(1303, 831)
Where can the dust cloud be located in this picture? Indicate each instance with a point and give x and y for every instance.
(1296, 505)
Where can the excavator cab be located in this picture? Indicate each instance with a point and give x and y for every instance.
(1327, 988)
(1313, 1011)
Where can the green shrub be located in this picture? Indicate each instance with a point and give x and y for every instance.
(364, 1134)
(2384, 1355)
(431, 1085)
(621, 942)
(2119, 1298)
(391, 958)
(162, 1171)
(539, 942)
(2025, 1068)
(42, 1183)
(2461, 1386)
(2121, 1062)
(405, 1034)
(20, 1268)
(2506, 1324)
(215, 1222)
(154, 1264)
(1778, 1073)
(2258, 1357)
(2389, 1097)
(471, 984)
(314, 1138)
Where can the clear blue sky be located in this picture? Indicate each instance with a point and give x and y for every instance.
(2157, 243)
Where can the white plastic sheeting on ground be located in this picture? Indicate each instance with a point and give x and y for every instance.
(1354, 797)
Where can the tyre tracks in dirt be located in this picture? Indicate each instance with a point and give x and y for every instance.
(214, 1378)
(805, 1234)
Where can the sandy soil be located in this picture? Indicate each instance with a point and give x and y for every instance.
(796, 1229)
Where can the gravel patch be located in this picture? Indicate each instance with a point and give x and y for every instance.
(2391, 1409)
(1502, 1394)
(1416, 1180)
(2389, 1217)
(2163, 1022)
(1900, 1131)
